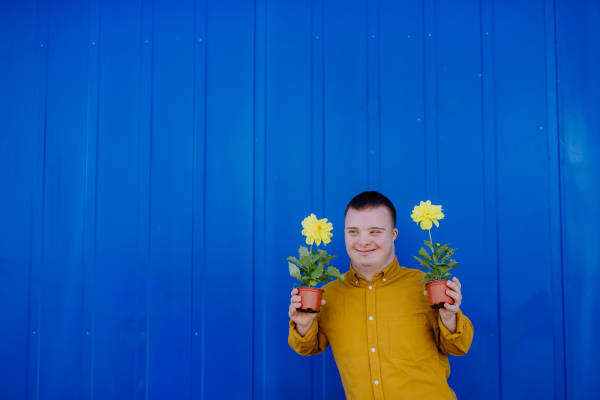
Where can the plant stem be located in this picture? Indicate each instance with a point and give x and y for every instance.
(430, 236)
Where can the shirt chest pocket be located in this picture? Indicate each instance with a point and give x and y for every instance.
(411, 338)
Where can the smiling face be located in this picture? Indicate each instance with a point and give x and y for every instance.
(370, 239)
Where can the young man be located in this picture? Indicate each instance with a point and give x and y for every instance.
(387, 342)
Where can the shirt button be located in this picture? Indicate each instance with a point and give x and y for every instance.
(373, 350)
(370, 318)
(377, 382)
(384, 279)
(356, 282)
(370, 287)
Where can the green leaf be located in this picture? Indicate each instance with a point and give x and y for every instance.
(326, 260)
(428, 244)
(303, 251)
(423, 253)
(448, 254)
(427, 278)
(440, 251)
(443, 271)
(423, 262)
(312, 283)
(325, 278)
(333, 271)
(317, 272)
(298, 262)
(294, 271)
(307, 262)
(320, 254)
(452, 264)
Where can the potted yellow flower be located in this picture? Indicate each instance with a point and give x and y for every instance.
(309, 269)
(439, 262)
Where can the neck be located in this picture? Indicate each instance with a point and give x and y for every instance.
(369, 272)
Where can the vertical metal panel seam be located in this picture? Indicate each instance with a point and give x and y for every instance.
(498, 293)
(560, 203)
(253, 194)
(42, 232)
(264, 338)
(367, 147)
(94, 254)
(424, 103)
(148, 266)
(379, 153)
(323, 101)
(323, 147)
(482, 108)
(135, 374)
(193, 237)
(559, 182)
(139, 190)
(203, 302)
(311, 95)
(43, 202)
(31, 218)
(486, 200)
(435, 108)
(85, 198)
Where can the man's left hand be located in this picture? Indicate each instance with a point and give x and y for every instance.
(448, 313)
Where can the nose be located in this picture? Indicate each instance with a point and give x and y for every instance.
(363, 241)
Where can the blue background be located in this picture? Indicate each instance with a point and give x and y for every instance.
(157, 158)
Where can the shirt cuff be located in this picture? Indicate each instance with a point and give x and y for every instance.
(312, 331)
(446, 334)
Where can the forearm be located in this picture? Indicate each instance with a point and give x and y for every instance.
(303, 329)
(450, 324)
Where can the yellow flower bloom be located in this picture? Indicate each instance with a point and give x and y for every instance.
(317, 230)
(426, 213)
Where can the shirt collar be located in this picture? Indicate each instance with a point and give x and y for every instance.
(388, 272)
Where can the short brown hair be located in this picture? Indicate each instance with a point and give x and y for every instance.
(372, 199)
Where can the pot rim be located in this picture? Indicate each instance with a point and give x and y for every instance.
(437, 280)
(309, 288)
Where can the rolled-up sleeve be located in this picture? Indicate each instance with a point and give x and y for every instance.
(454, 344)
(314, 342)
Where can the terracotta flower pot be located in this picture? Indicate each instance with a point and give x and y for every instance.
(436, 290)
(311, 299)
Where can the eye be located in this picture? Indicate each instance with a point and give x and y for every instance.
(375, 232)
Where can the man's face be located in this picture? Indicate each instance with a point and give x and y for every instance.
(370, 237)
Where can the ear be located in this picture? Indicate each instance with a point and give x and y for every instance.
(395, 234)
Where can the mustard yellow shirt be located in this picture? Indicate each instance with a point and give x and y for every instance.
(387, 342)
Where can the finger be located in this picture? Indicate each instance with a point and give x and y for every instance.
(455, 280)
(456, 296)
(450, 307)
(293, 312)
(323, 302)
(296, 299)
(453, 286)
(425, 293)
(293, 306)
(294, 291)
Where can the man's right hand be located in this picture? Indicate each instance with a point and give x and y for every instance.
(303, 320)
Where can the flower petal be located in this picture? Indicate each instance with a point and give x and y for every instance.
(426, 224)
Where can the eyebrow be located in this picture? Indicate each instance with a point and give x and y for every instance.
(373, 227)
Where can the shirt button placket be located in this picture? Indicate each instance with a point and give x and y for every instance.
(371, 307)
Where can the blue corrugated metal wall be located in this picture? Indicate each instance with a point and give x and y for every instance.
(156, 159)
